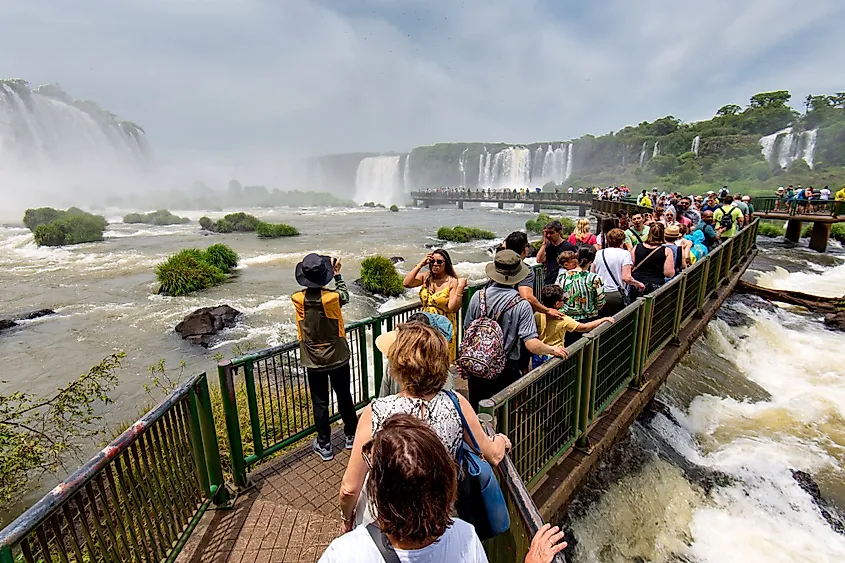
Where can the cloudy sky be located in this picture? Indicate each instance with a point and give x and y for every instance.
(325, 76)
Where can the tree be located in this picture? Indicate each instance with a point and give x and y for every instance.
(776, 99)
(37, 433)
(730, 109)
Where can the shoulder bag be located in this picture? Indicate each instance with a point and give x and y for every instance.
(626, 300)
(480, 498)
(383, 544)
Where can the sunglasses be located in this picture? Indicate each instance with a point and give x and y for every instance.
(438, 262)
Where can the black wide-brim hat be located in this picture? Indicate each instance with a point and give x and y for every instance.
(315, 270)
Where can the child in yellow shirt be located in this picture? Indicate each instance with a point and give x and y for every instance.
(553, 331)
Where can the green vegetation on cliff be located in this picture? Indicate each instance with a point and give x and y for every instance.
(160, 217)
(54, 227)
(192, 269)
(536, 225)
(233, 222)
(464, 234)
(379, 275)
(770, 229)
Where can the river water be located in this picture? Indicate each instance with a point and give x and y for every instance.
(762, 392)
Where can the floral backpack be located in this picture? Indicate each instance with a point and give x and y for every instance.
(482, 350)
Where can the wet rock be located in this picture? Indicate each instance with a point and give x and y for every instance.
(10, 320)
(829, 513)
(200, 326)
(397, 259)
(835, 321)
(7, 323)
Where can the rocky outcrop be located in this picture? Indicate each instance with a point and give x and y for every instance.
(11, 320)
(397, 259)
(200, 326)
(835, 321)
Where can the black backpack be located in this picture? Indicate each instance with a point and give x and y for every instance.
(727, 220)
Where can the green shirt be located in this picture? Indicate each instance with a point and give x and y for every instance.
(631, 239)
(583, 294)
(736, 214)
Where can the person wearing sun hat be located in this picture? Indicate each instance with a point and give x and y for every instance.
(501, 301)
(323, 348)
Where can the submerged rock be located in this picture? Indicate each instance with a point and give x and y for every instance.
(835, 321)
(200, 326)
(10, 320)
(397, 259)
(829, 513)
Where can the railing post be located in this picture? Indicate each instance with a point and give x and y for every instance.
(252, 405)
(233, 426)
(702, 291)
(197, 450)
(585, 375)
(209, 438)
(679, 306)
(364, 364)
(6, 555)
(378, 359)
(645, 334)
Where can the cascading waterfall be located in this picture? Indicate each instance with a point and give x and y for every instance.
(378, 180)
(695, 144)
(406, 176)
(48, 136)
(512, 168)
(642, 154)
(570, 151)
(785, 147)
(656, 151)
(537, 175)
(554, 164)
(462, 168)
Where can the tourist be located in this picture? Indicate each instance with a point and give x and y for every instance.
(516, 319)
(623, 219)
(728, 218)
(712, 204)
(654, 262)
(553, 331)
(689, 212)
(419, 362)
(583, 291)
(746, 199)
(606, 225)
(824, 194)
(518, 242)
(678, 245)
(669, 219)
(582, 235)
(738, 202)
(613, 265)
(697, 249)
(389, 384)
(442, 290)
(323, 348)
(707, 226)
(637, 232)
(840, 195)
(645, 200)
(553, 245)
(781, 198)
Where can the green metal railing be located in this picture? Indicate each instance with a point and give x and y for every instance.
(502, 195)
(136, 500)
(551, 409)
(773, 204)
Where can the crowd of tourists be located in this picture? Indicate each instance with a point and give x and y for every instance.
(418, 434)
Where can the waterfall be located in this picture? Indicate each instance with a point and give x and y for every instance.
(570, 150)
(537, 176)
(642, 154)
(512, 168)
(377, 180)
(406, 175)
(695, 145)
(462, 168)
(785, 147)
(46, 133)
(656, 151)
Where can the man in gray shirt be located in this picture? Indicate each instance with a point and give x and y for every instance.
(518, 326)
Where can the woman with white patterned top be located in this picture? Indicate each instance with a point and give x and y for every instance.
(419, 360)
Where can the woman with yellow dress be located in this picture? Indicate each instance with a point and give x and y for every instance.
(442, 290)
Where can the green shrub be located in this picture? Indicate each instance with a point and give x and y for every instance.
(221, 257)
(32, 218)
(274, 230)
(223, 226)
(536, 225)
(837, 232)
(463, 234)
(379, 275)
(71, 229)
(160, 217)
(770, 230)
(193, 269)
(394, 208)
(241, 222)
(206, 224)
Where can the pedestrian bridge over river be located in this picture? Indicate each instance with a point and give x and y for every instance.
(158, 493)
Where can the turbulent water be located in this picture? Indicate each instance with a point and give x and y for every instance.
(760, 395)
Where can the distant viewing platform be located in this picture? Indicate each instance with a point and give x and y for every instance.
(459, 196)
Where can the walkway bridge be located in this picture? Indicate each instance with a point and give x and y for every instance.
(537, 199)
(157, 493)
(821, 213)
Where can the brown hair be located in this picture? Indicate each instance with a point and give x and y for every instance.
(550, 295)
(413, 482)
(655, 234)
(419, 359)
(566, 256)
(614, 238)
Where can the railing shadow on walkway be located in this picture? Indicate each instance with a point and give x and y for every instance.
(143, 496)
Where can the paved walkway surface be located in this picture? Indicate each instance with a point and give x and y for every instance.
(290, 514)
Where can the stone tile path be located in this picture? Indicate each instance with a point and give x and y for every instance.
(290, 514)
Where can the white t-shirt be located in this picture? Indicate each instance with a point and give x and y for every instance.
(825, 193)
(460, 544)
(616, 258)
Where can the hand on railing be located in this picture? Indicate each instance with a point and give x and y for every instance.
(545, 545)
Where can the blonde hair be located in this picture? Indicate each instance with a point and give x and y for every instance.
(582, 228)
(419, 359)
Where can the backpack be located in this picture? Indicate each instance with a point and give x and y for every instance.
(482, 351)
(727, 220)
